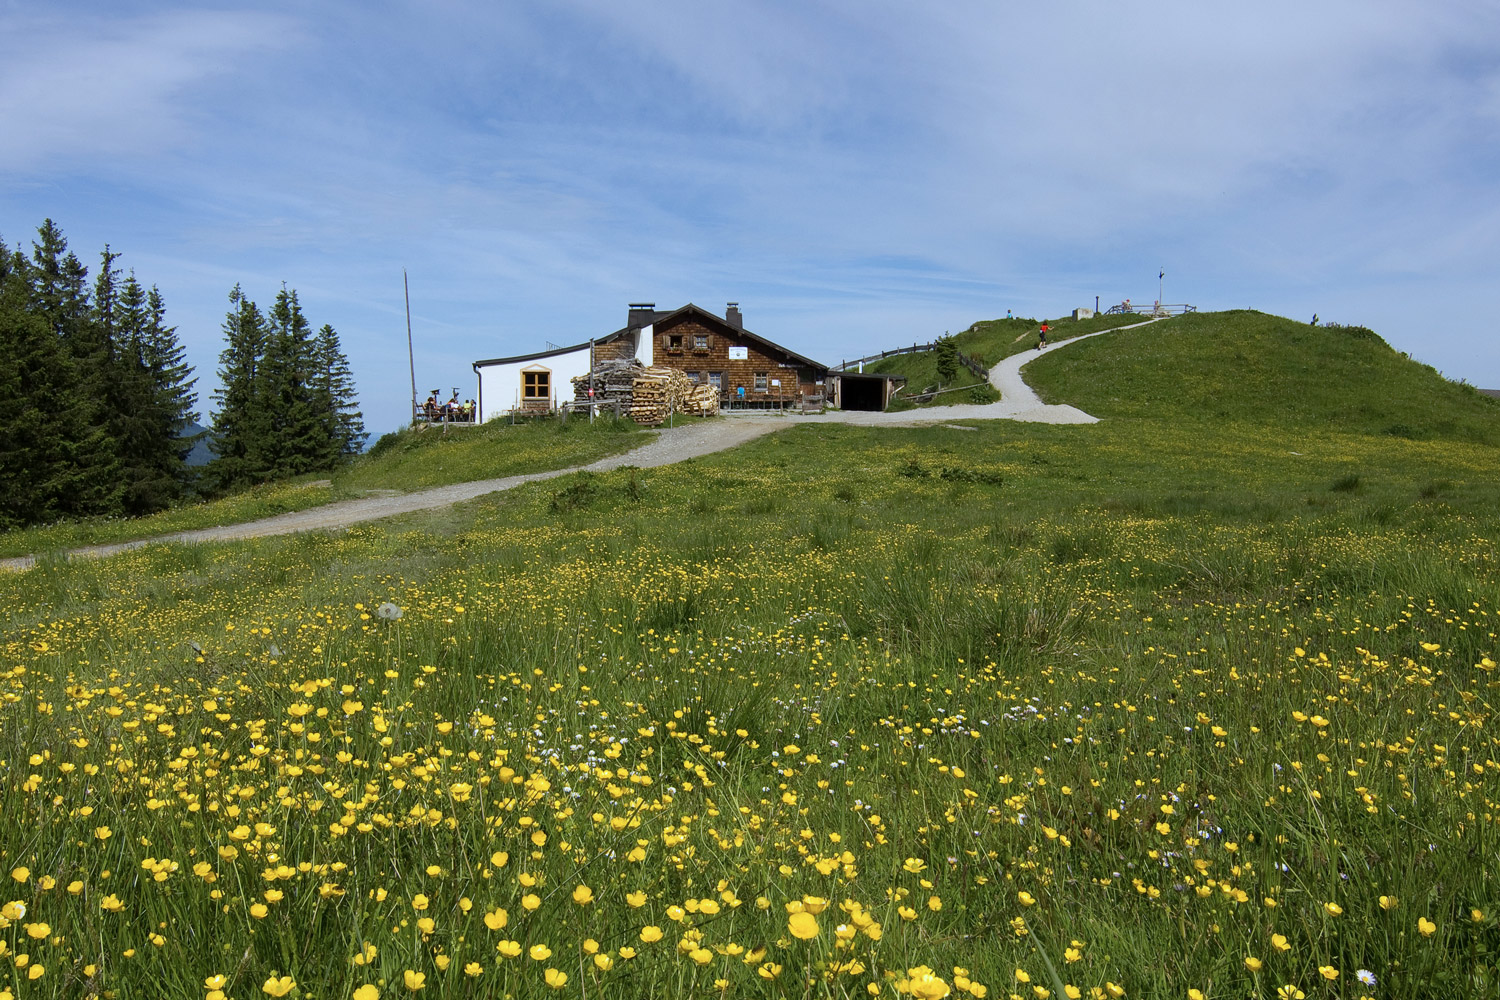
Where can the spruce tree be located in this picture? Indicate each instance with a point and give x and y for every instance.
(336, 389)
(302, 440)
(127, 393)
(146, 394)
(241, 426)
(39, 427)
(947, 358)
(174, 382)
(59, 295)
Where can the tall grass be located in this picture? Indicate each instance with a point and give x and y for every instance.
(1143, 707)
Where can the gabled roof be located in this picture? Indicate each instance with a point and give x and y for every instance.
(659, 317)
(699, 313)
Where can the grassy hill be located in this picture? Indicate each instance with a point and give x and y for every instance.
(1251, 367)
(992, 340)
(988, 342)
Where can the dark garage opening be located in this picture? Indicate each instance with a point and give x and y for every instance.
(862, 392)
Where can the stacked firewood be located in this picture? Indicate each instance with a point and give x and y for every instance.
(658, 392)
(611, 380)
(649, 395)
(702, 400)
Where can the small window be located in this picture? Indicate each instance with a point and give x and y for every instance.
(700, 341)
(674, 341)
(716, 379)
(760, 381)
(695, 376)
(536, 385)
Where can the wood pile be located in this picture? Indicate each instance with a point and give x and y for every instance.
(702, 400)
(612, 380)
(657, 393)
(649, 395)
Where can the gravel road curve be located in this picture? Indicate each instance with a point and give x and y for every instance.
(1018, 402)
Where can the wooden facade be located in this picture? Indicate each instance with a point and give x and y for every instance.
(748, 370)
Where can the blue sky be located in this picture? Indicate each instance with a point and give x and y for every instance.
(856, 174)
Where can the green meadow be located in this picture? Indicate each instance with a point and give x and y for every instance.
(398, 462)
(1195, 701)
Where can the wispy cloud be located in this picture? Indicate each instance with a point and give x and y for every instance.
(77, 91)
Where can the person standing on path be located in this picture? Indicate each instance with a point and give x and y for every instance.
(1041, 337)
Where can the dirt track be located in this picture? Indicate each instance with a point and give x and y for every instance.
(1017, 402)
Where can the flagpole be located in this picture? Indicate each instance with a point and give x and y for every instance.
(411, 357)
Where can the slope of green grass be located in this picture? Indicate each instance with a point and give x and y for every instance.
(403, 461)
(1132, 708)
(921, 373)
(1249, 367)
(988, 342)
(993, 340)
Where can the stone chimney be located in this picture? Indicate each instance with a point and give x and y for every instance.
(641, 314)
(732, 316)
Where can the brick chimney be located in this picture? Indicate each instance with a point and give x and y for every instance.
(733, 317)
(641, 314)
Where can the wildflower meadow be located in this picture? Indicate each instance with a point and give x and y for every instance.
(1129, 710)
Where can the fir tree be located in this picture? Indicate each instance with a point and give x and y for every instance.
(947, 358)
(59, 295)
(39, 431)
(93, 390)
(151, 405)
(174, 381)
(336, 389)
(241, 427)
(127, 393)
(302, 439)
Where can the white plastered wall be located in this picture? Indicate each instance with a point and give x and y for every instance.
(500, 385)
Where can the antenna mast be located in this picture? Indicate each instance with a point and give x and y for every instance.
(410, 356)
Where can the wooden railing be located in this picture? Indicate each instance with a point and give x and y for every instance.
(963, 359)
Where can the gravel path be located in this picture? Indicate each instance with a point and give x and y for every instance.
(1018, 402)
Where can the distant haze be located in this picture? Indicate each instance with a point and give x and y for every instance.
(856, 175)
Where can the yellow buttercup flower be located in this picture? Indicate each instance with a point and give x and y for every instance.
(802, 925)
(1425, 926)
(414, 980)
(278, 986)
(366, 992)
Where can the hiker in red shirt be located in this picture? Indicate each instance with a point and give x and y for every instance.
(1041, 337)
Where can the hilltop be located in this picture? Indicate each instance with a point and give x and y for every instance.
(1250, 367)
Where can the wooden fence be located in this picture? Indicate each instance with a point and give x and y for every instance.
(963, 359)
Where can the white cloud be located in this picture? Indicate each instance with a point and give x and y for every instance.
(77, 91)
